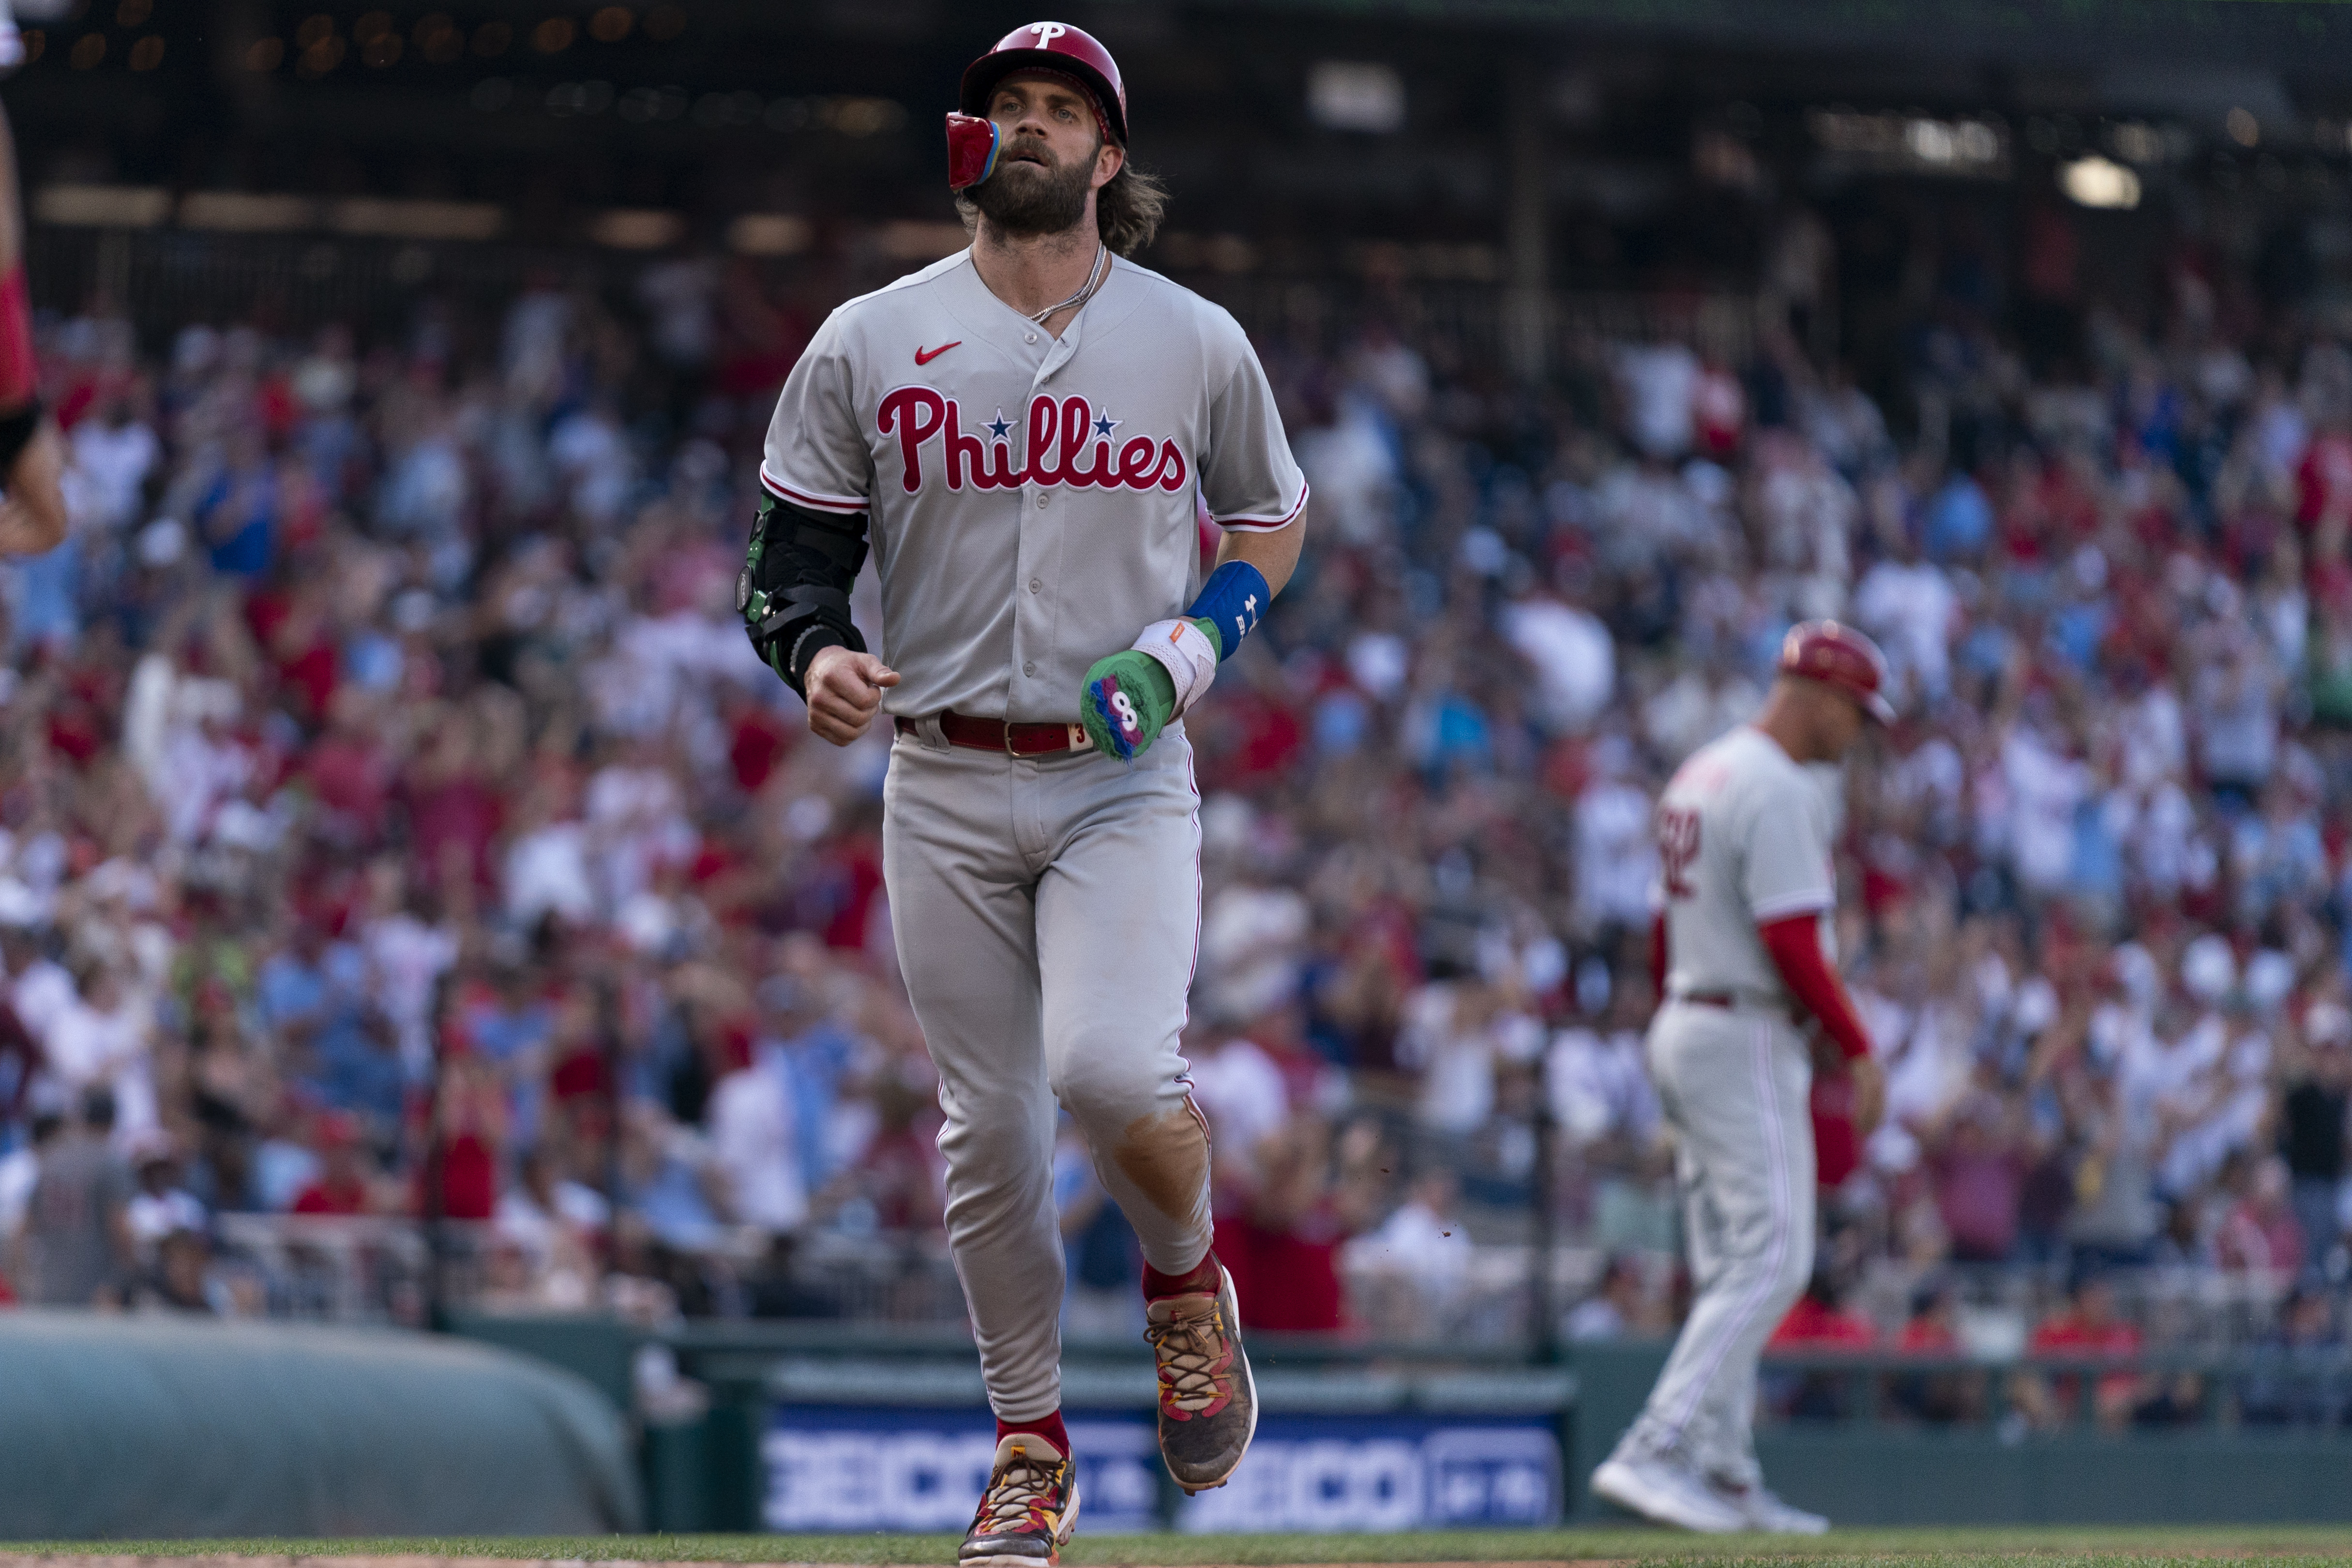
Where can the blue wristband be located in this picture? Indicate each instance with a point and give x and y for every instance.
(1231, 600)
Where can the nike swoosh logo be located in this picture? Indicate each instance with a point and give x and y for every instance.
(925, 356)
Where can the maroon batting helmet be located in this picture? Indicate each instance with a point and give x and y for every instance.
(1054, 46)
(1839, 656)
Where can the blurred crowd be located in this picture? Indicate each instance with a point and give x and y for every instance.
(394, 823)
(399, 826)
(2093, 885)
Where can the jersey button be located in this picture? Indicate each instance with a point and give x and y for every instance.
(1040, 501)
(1030, 667)
(1030, 338)
(1035, 585)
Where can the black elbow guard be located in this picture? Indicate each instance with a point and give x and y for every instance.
(793, 591)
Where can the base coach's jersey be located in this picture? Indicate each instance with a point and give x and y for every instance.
(1743, 840)
(1031, 499)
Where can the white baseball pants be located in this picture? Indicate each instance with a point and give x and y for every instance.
(1047, 915)
(1735, 1086)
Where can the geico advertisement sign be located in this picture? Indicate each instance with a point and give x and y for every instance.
(836, 1469)
(849, 1469)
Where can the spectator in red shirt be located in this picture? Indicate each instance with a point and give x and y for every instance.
(2089, 1327)
(341, 1186)
(351, 771)
(453, 811)
(2323, 481)
(758, 738)
(1315, 1191)
(1933, 1330)
(1979, 1177)
(1933, 1326)
(2260, 1235)
(470, 1117)
(1819, 1321)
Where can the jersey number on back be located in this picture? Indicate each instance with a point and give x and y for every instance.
(1677, 848)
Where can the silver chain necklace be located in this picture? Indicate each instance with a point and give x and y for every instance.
(1094, 276)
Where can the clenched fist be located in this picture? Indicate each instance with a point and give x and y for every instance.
(845, 693)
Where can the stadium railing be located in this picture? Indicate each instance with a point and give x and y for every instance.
(351, 1269)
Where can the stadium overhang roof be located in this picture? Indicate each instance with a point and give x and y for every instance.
(2302, 35)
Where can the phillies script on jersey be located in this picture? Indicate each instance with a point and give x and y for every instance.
(1068, 444)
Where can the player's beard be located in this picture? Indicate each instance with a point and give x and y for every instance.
(1024, 198)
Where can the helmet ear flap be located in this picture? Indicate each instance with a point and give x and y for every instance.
(971, 150)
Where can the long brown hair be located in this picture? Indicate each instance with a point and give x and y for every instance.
(1128, 210)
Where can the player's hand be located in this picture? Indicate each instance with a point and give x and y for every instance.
(1129, 699)
(1869, 1094)
(845, 693)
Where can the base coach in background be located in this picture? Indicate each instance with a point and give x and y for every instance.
(1742, 945)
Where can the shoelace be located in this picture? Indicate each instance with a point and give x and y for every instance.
(1188, 1347)
(1026, 1485)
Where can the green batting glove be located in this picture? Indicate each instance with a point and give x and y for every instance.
(1129, 699)
(1130, 696)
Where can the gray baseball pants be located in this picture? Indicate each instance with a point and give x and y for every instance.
(1047, 914)
(1735, 1086)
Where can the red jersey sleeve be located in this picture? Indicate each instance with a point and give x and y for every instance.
(1795, 945)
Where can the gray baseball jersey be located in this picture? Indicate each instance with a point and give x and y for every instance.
(1033, 505)
(1743, 839)
(1031, 500)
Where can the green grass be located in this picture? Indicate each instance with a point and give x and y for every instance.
(2062, 1547)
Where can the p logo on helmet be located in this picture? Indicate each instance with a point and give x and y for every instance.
(1055, 46)
(1837, 655)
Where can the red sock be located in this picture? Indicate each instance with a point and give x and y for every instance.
(1203, 1281)
(1049, 1428)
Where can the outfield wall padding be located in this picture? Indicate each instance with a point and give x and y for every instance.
(137, 1427)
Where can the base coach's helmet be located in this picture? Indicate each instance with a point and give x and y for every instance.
(1054, 46)
(1839, 656)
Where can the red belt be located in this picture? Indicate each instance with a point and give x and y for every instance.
(1014, 740)
(1709, 998)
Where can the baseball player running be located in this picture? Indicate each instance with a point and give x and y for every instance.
(1018, 433)
(1746, 895)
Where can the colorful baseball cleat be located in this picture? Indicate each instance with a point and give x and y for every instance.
(1208, 1401)
(1031, 1506)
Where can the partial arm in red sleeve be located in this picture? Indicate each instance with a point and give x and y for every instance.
(18, 382)
(1658, 952)
(1795, 944)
